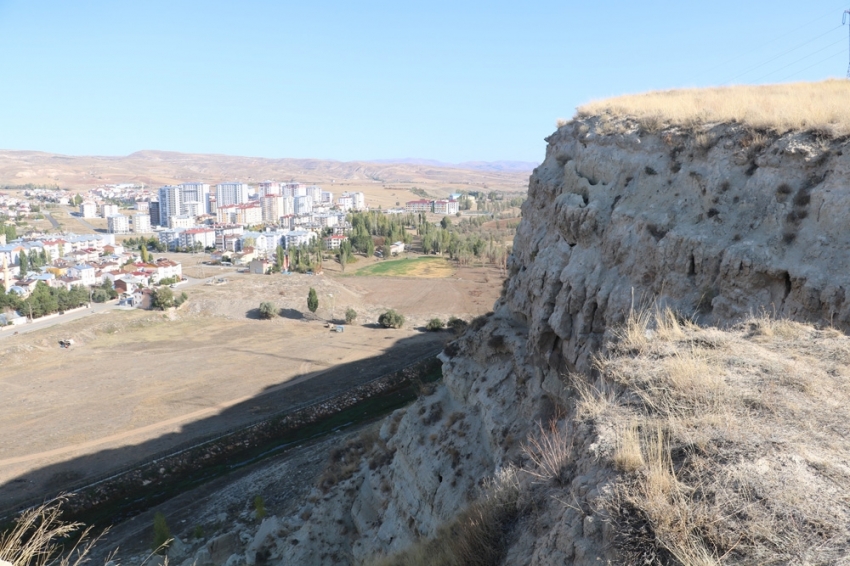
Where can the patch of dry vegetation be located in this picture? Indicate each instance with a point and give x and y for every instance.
(476, 537)
(781, 107)
(731, 445)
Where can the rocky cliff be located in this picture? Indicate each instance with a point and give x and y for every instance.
(720, 224)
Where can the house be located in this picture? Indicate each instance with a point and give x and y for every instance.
(446, 207)
(260, 266)
(397, 248)
(86, 274)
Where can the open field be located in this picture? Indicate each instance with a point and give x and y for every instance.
(146, 379)
(781, 107)
(420, 267)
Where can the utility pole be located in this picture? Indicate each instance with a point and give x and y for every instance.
(844, 21)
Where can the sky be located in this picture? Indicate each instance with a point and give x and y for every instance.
(357, 80)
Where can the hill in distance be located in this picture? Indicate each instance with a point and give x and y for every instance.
(165, 167)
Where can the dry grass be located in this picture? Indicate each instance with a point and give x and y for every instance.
(549, 452)
(476, 537)
(781, 107)
(41, 538)
(731, 445)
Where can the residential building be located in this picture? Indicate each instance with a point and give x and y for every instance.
(141, 223)
(327, 198)
(446, 207)
(295, 238)
(303, 204)
(143, 206)
(345, 203)
(153, 208)
(193, 209)
(197, 193)
(260, 266)
(356, 199)
(107, 210)
(269, 188)
(315, 193)
(272, 206)
(181, 221)
(170, 203)
(245, 214)
(418, 206)
(118, 224)
(85, 273)
(197, 237)
(333, 242)
(88, 209)
(231, 193)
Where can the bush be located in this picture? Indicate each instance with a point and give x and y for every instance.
(457, 324)
(259, 507)
(162, 298)
(391, 319)
(267, 310)
(435, 324)
(350, 315)
(161, 534)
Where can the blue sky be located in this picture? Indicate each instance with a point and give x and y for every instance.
(448, 80)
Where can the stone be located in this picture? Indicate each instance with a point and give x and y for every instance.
(222, 547)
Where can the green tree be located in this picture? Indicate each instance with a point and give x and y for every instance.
(162, 298)
(143, 247)
(446, 222)
(78, 200)
(161, 534)
(350, 315)
(24, 263)
(268, 310)
(343, 259)
(391, 319)
(435, 324)
(312, 301)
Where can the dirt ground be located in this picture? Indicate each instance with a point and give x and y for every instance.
(134, 377)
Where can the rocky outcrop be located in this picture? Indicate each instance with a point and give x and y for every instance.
(717, 224)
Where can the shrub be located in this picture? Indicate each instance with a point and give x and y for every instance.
(391, 319)
(312, 300)
(259, 507)
(350, 315)
(435, 324)
(267, 310)
(162, 298)
(457, 324)
(38, 538)
(161, 534)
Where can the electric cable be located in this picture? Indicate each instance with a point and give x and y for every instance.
(842, 40)
(781, 55)
(833, 56)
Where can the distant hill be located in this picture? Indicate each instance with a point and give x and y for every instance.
(494, 166)
(164, 167)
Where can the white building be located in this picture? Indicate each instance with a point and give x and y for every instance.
(231, 193)
(88, 209)
(352, 201)
(118, 224)
(85, 273)
(315, 193)
(303, 204)
(107, 210)
(170, 203)
(447, 207)
(197, 193)
(272, 206)
(181, 221)
(203, 236)
(193, 209)
(269, 188)
(295, 238)
(327, 198)
(245, 214)
(142, 206)
(141, 223)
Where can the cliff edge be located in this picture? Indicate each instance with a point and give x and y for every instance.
(640, 394)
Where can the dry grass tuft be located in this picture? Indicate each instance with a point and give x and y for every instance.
(550, 452)
(628, 456)
(40, 537)
(781, 107)
(476, 537)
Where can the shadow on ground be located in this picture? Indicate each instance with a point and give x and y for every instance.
(49, 481)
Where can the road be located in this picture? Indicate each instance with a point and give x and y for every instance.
(96, 308)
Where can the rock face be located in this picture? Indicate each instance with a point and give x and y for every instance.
(717, 224)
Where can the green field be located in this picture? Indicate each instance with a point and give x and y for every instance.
(418, 267)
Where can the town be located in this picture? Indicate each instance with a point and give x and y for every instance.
(270, 227)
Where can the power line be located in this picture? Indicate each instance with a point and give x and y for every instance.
(833, 56)
(798, 60)
(764, 44)
(781, 55)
